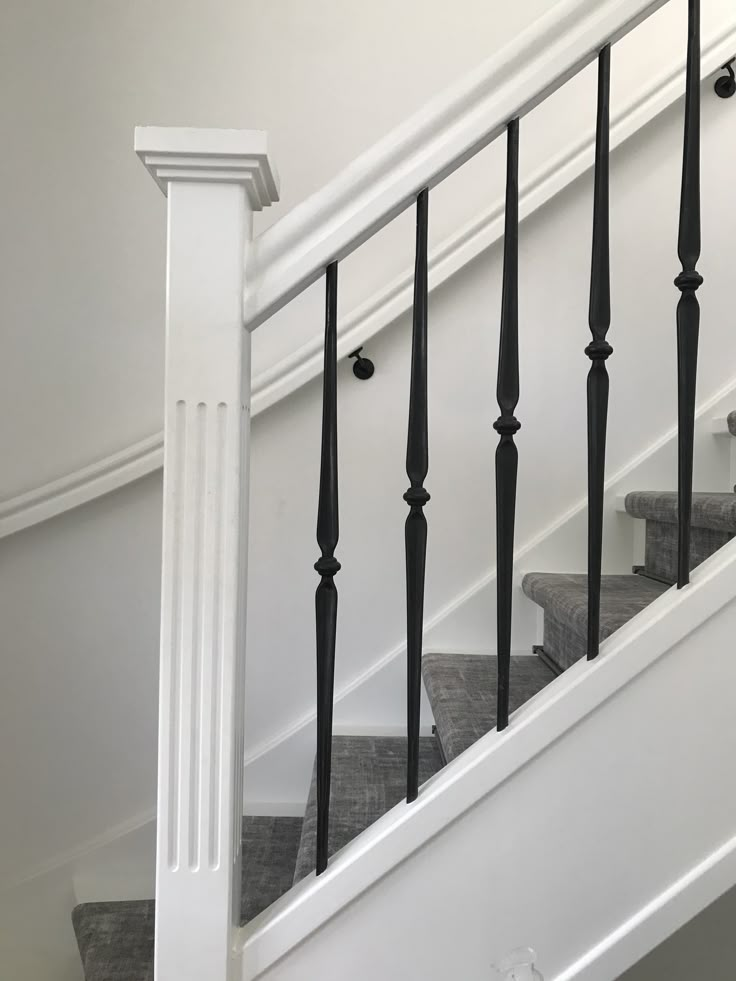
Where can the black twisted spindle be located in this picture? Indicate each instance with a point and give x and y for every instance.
(688, 308)
(598, 351)
(417, 465)
(507, 425)
(327, 565)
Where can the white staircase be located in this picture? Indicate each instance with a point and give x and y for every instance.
(592, 827)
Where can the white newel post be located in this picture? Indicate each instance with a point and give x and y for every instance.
(214, 180)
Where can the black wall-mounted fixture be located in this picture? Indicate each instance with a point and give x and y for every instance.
(726, 85)
(363, 367)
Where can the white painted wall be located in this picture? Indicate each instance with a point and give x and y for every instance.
(83, 232)
(79, 603)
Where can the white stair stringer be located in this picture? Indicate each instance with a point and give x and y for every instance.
(600, 821)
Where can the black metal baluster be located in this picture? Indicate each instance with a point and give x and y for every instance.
(598, 351)
(327, 565)
(417, 465)
(688, 308)
(507, 425)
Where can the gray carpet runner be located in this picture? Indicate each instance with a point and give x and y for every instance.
(368, 779)
(462, 692)
(713, 525)
(564, 599)
(116, 939)
(715, 511)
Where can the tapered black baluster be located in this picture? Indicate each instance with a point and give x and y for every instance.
(688, 309)
(327, 565)
(417, 465)
(598, 351)
(507, 425)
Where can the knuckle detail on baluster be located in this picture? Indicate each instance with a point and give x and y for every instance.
(690, 280)
(599, 350)
(417, 496)
(507, 426)
(327, 565)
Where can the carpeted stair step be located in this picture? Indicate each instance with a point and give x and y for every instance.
(368, 779)
(116, 939)
(462, 693)
(564, 599)
(713, 525)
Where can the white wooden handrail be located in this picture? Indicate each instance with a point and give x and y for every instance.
(292, 254)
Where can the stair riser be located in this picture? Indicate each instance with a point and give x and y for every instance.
(564, 599)
(368, 779)
(660, 554)
(562, 645)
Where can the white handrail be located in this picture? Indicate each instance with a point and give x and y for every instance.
(292, 254)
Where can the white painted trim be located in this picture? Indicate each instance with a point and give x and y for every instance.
(667, 912)
(720, 426)
(211, 156)
(213, 180)
(302, 365)
(81, 486)
(464, 245)
(72, 855)
(429, 146)
(558, 708)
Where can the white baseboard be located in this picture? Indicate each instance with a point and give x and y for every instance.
(671, 909)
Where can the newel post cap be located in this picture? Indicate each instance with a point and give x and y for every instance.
(225, 156)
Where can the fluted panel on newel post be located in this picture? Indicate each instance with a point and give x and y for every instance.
(688, 282)
(417, 466)
(598, 351)
(507, 425)
(214, 180)
(327, 566)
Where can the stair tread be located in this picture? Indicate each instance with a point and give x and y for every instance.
(462, 692)
(116, 938)
(368, 779)
(565, 596)
(716, 511)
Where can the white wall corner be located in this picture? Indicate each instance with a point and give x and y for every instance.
(230, 156)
